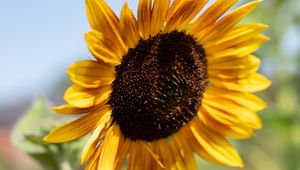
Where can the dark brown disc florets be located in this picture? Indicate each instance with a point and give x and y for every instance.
(159, 86)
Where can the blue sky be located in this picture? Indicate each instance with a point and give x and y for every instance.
(38, 40)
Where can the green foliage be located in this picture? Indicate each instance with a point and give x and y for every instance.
(29, 131)
(31, 124)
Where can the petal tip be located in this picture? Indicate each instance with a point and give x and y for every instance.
(238, 162)
(52, 138)
(56, 109)
(268, 83)
(48, 139)
(45, 138)
(241, 164)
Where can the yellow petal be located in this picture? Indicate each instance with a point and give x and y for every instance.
(174, 7)
(132, 156)
(77, 128)
(70, 109)
(145, 146)
(129, 28)
(104, 20)
(253, 83)
(234, 68)
(231, 130)
(91, 145)
(140, 158)
(93, 162)
(241, 49)
(110, 148)
(163, 150)
(220, 28)
(212, 14)
(234, 37)
(233, 74)
(185, 151)
(227, 119)
(247, 100)
(190, 14)
(122, 154)
(177, 10)
(93, 141)
(159, 14)
(251, 65)
(233, 63)
(91, 74)
(98, 16)
(176, 4)
(233, 111)
(213, 147)
(84, 98)
(144, 18)
(102, 48)
(179, 164)
(145, 159)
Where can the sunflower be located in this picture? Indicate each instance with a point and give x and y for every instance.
(165, 85)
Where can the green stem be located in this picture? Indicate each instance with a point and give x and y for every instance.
(64, 164)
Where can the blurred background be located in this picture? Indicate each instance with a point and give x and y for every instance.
(40, 39)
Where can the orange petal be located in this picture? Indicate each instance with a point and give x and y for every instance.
(233, 112)
(132, 157)
(234, 68)
(212, 14)
(235, 36)
(241, 49)
(247, 100)
(77, 128)
(253, 83)
(158, 16)
(104, 20)
(129, 28)
(94, 140)
(110, 148)
(191, 13)
(179, 163)
(163, 150)
(91, 74)
(144, 18)
(93, 162)
(233, 63)
(83, 98)
(185, 151)
(122, 154)
(140, 157)
(212, 146)
(231, 130)
(220, 28)
(70, 109)
(177, 11)
(147, 148)
(102, 48)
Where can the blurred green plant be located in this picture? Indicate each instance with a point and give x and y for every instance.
(27, 136)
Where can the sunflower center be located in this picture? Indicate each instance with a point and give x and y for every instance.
(159, 86)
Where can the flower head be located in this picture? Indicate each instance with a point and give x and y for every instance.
(166, 85)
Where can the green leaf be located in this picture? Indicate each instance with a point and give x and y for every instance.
(33, 126)
(46, 159)
(31, 123)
